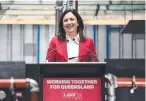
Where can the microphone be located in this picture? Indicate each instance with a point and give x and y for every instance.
(92, 54)
(55, 49)
(82, 55)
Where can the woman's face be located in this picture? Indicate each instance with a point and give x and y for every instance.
(70, 23)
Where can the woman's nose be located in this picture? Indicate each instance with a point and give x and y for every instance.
(68, 21)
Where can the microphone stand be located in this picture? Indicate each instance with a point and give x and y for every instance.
(55, 50)
(82, 55)
(87, 49)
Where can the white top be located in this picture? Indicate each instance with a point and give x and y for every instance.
(73, 48)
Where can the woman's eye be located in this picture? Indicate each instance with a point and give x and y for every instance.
(71, 19)
(65, 20)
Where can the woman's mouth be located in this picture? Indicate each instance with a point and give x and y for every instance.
(69, 26)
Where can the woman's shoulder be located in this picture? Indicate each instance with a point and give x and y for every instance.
(53, 40)
(90, 41)
(89, 38)
(56, 39)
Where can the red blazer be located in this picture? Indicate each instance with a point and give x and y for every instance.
(61, 55)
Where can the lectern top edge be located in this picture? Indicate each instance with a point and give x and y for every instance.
(73, 63)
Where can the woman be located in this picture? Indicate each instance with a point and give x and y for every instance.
(70, 45)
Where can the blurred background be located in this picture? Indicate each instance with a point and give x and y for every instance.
(26, 27)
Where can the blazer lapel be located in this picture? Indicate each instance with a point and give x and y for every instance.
(81, 50)
(65, 54)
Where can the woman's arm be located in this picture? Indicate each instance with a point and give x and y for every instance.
(51, 53)
(92, 48)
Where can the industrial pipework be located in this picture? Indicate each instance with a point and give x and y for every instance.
(115, 82)
(20, 83)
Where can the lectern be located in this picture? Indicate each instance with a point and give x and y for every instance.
(137, 29)
(72, 81)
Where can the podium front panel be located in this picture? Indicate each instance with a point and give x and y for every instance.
(72, 81)
(72, 89)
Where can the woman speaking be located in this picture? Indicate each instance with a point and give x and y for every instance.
(70, 45)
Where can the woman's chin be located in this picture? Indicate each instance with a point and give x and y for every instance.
(70, 31)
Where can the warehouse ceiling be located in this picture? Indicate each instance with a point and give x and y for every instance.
(95, 9)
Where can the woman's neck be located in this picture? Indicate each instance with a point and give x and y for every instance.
(72, 35)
